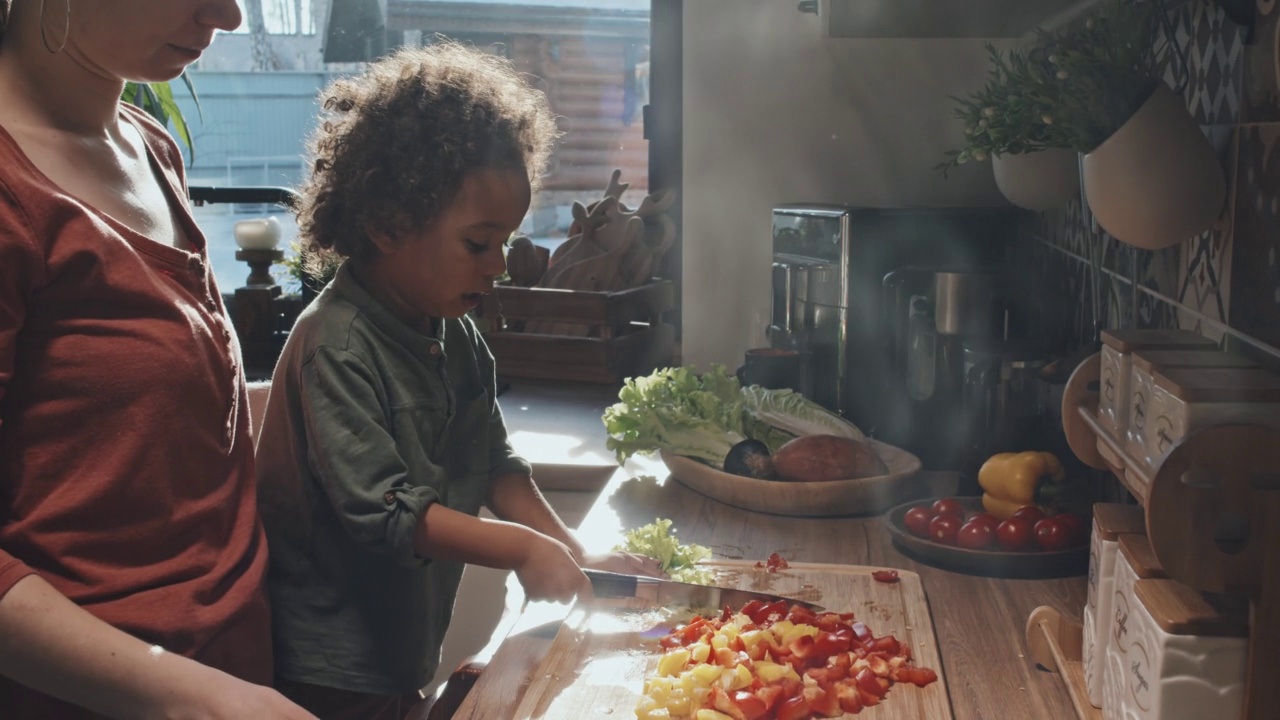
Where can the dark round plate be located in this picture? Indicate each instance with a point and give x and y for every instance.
(989, 563)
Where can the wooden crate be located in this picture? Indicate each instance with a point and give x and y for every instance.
(627, 338)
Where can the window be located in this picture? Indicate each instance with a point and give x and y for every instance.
(258, 88)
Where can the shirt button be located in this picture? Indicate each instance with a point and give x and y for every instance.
(389, 498)
(196, 265)
(435, 350)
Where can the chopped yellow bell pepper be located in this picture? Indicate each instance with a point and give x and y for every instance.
(1015, 480)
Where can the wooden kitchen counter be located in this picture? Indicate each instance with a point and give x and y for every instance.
(979, 621)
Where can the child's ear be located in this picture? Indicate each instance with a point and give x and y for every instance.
(382, 240)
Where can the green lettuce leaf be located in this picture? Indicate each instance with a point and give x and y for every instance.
(678, 410)
(658, 541)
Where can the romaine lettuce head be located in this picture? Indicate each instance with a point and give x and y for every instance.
(794, 414)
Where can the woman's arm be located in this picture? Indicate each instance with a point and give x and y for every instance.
(56, 647)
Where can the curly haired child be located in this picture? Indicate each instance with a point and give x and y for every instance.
(382, 436)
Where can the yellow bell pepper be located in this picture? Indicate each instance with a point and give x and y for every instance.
(1015, 480)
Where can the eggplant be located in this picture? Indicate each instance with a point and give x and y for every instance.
(750, 458)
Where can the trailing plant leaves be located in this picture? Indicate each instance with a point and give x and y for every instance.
(1072, 88)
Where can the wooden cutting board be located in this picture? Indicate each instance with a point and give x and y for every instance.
(599, 660)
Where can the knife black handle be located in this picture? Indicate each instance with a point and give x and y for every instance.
(607, 584)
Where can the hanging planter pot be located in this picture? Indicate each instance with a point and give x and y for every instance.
(1156, 181)
(1038, 180)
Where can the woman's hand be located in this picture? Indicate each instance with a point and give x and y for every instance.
(549, 572)
(625, 563)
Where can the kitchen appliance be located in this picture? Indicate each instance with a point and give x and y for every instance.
(831, 304)
(1005, 400)
(929, 313)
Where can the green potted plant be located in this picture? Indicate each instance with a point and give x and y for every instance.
(311, 271)
(1010, 121)
(1150, 176)
(156, 99)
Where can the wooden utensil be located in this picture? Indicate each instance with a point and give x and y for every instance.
(860, 496)
(578, 234)
(526, 262)
(600, 273)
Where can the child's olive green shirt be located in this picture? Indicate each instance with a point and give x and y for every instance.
(368, 423)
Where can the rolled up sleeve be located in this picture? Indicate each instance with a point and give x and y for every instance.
(354, 456)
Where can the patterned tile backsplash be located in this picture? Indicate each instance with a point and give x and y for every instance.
(1228, 276)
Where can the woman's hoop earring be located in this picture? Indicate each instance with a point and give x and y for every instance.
(66, 30)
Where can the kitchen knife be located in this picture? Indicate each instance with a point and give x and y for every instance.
(669, 593)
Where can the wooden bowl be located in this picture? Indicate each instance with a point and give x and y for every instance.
(989, 563)
(861, 496)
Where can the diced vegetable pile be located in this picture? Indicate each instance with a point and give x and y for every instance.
(771, 662)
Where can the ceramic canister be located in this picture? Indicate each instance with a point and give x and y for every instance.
(1145, 363)
(1117, 349)
(1182, 655)
(1134, 561)
(1184, 400)
(1110, 522)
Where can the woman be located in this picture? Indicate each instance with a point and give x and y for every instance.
(131, 554)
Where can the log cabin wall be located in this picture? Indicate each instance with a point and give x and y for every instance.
(592, 64)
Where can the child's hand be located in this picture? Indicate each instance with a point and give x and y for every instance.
(625, 563)
(549, 572)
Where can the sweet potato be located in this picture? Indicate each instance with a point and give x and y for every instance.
(816, 458)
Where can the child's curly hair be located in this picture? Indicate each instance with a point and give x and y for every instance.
(399, 138)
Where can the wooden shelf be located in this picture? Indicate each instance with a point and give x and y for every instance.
(1084, 431)
(1056, 643)
(1129, 467)
(1213, 518)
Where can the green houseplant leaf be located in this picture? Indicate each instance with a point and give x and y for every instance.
(156, 99)
(1073, 88)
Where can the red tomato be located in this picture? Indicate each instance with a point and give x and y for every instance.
(1052, 535)
(976, 535)
(917, 520)
(948, 506)
(885, 576)
(1015, 534)
(1075, 525)
(1030, 512)
(944, 529)
(985, 519)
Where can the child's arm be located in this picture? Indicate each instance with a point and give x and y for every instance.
(546, 568)
(514, 497)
